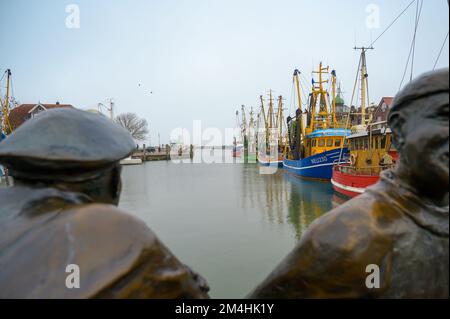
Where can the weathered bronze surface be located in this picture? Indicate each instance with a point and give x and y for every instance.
(401, 224)
(59, 212)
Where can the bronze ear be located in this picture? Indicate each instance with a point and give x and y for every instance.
(396, 122)
(116, 183)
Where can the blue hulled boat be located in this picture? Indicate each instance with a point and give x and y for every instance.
(317, 141)
(319, 165)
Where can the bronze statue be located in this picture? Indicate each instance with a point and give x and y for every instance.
(65, 165)
(398, 229)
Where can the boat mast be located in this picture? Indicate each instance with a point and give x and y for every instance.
(251, 129)
(237, 125)
(321, 94)
(270, 110)
(266, 129)
(6, 126)
(243, 126)
(109, 108)
(258, 118)
(364, 82)
(244, 121)
(251, 122)
(271, 119)
(263, 111)
(333, 103)
(280, 119)
(300, 113)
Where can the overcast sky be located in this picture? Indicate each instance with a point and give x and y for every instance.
(203, 59)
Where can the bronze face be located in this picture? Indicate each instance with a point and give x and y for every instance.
(104, 188)
(401, 224)
(59, 212)
(422, 137)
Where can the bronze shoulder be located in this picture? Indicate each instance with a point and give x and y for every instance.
(331, 258)
(116, 254)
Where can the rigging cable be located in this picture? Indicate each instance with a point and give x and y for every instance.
(305, 85)
(305, 97)
(350, 107)
(388, 27)
(2, 77)
(1, 94)
(413, 44)
(13, 96)
(292, 99)
(13, 104)
(418, 13)
(440, 51)
(366, 82)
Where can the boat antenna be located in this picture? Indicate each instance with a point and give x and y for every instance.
(364, 83)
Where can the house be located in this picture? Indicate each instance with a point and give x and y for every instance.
(23, 112)
(382, 111)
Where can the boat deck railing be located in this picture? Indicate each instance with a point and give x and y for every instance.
(345, 167)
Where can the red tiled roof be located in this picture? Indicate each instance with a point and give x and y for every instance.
(380, 113)
(19, 114)
(388, 100)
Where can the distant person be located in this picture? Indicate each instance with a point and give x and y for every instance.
(386, 160)
(60, 217)
(391, 241)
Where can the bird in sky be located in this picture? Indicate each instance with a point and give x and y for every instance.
(139, 85)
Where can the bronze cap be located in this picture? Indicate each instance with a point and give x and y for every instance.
(65, 140)
(429, 83)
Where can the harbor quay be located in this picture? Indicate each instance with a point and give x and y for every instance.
(225, 159)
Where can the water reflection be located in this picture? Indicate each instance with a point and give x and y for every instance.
(308, 200)
(284, 198)
(227, 221)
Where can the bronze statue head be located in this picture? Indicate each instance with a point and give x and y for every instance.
(419, 119)
(71, 150)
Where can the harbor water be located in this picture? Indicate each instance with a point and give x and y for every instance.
(227, 221)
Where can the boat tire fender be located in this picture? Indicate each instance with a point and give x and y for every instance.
(353, 159)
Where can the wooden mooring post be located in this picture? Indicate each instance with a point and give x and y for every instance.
(144, 157)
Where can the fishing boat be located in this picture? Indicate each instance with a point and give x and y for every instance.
(237, 142)
(237, 149)
(317, 141)
(371, 152)
(370, 145)
(270, 142)
(246, 150)
(131, 161)
(249, 136)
